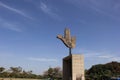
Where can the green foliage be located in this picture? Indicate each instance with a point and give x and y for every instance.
(17, 72)
(55, 73)
(2, 69)
(103, 71)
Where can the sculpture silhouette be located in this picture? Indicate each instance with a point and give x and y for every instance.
(68, 40)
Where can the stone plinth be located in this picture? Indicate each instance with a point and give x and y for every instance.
(73, 67)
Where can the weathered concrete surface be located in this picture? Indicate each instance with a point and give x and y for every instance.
(67, 39)
(73, 67)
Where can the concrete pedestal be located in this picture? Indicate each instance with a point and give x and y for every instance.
(73, 67)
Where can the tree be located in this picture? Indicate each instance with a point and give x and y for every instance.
(57, 72)
(48, 73)
(2, 69)
(15, 72)
(104, 71)
(16, 69)
(53, 73)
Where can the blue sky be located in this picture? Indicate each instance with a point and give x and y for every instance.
(28, 30)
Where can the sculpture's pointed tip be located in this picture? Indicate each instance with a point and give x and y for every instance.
(67, 28)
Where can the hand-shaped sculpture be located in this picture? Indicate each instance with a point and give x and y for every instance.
(67, 39)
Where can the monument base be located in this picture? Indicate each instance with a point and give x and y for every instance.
(73, 67)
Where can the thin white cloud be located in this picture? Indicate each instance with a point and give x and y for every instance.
(110, 57)
(9, 25)
(15, 10)
(100, 10)
(99, 55)
(105, 56)
(87, 53)
(108, 8)
(42, 59)
(116, 59)
(49, 11)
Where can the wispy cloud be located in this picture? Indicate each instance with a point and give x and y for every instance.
(49, 11)
(9, 25)
(108, 8)
(97, 57)
(116, 59)
(15, 10)
(110, 57)
(102, 55)
(105, 56)
(42, 59)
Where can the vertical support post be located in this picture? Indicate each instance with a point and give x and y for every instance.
(70, 51)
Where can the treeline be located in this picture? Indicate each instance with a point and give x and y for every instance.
(103, 71)
(96, 72)
(17, 72)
